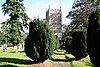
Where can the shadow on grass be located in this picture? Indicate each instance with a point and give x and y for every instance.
(21, 51)
(17, 51)
(60, 60)
(16, 61)
(63, 60)
(8, 66)
(69, 59)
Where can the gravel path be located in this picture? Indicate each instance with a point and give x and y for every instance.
(49, 64)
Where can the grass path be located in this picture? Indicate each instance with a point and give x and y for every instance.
(17, 58)
(64, 60)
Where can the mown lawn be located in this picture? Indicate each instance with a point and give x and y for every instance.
(13, 58)
(70, 59)
(17, 58)
(85, 62)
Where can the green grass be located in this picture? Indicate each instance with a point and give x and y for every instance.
(17, 58)
(70, 59)
(85, 62)
(13, 58)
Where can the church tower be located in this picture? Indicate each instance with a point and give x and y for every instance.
(54, 17)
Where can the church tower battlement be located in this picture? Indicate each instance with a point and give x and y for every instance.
(54, 17)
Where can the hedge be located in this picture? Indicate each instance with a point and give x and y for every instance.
(78, 46)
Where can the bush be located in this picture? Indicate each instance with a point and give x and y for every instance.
(67, 39)
(68, 43)
(78, 46)
(93, 38)
(40, 43)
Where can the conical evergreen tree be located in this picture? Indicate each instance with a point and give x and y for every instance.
(40, 43)
(93, 36)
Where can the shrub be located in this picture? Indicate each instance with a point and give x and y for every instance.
(68, 43)
(67, 39)
(40, 43)
(93, 38)
(78, 46)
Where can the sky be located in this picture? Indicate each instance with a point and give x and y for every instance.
(37, 8)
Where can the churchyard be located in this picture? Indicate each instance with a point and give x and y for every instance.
(17, 58)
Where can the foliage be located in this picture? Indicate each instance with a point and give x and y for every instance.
(40, 43)
(93, 38)
(2, 38)
(67, 38)
(13, 26)
(67, 32)
(68, 43)
(78, 46)
(80, 13)
(75, 42)
(93, 35)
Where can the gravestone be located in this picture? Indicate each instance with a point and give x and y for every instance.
(4, 47)
(15, 47)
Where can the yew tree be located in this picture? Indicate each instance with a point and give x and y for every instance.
(93, 35)
(41, 42)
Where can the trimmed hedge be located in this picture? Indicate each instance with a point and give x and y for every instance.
(78, 46)
(68, 43)
(41, 42)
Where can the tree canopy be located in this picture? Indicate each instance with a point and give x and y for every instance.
(13, 26)
(80, 12)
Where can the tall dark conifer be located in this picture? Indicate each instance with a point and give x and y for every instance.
(41, 42)
(93, 36)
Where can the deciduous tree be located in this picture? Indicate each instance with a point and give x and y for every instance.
(80, 12)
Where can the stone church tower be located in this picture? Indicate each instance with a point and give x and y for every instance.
(54, 17)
